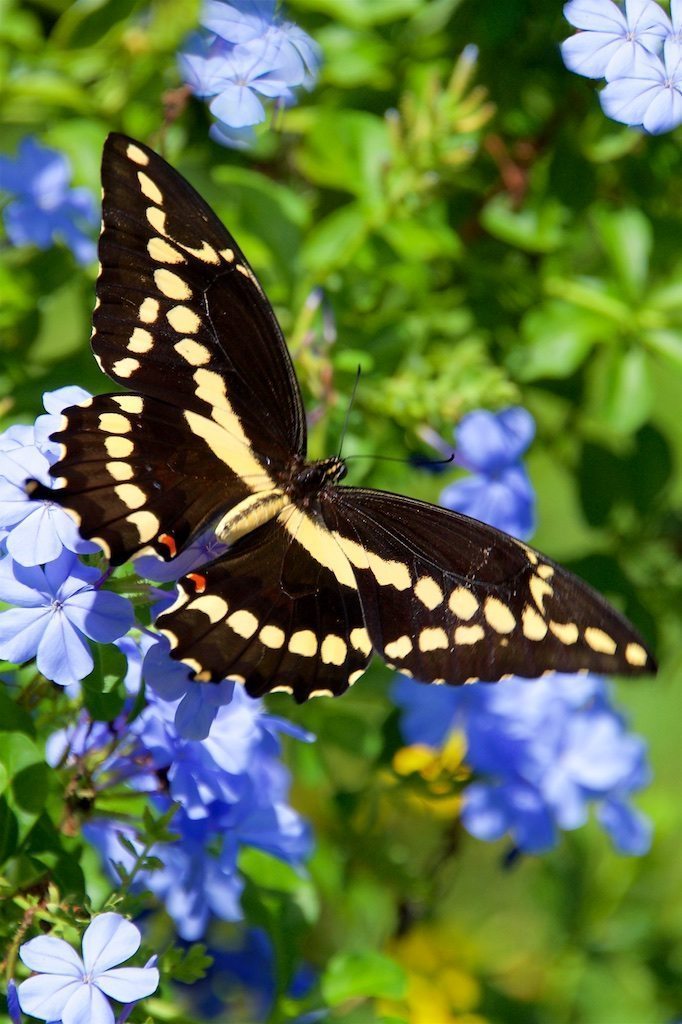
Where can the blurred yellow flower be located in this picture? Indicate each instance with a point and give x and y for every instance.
(441, 988)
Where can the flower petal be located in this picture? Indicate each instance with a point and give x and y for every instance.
(108, 941)
(21, 633)
(51, 955)
(88, 1006)
(46, 995)
(63, 654)
(128, 984)
(237, 106)
(101, 615)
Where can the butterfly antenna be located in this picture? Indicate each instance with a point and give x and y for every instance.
(349, 410)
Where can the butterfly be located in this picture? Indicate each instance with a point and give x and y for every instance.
(210, 432)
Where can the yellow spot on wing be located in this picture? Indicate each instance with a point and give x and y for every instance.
(162, 252)
(359, 638)
(157, 219)
(303, 642)
(534, 626)
(428, 592)
(243, 623)
(272, 636)
(119, 470)
(600, 641)
(183, 320)
(149, 188)
(136, 154)
(172, 286)
(463, 603)
(499, 615)
(193, 352)
(118, 447)
(129, 403)
(635, 654)
(131, 495)
(433, 639)
(566, 632)
(149, 311)
(146, 523)
(140, 341)
(540, 589)
(469, 634)
(333, 650)
(399, 648)
(125, 367)
(211, 605)
(114, 423)
(354, 676)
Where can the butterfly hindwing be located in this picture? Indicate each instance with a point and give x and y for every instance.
(180, 314)
(271, 616)
(451, 600)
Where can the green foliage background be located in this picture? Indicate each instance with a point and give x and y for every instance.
(482, 235)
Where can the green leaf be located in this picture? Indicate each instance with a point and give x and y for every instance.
(538, 228)
(557, 339)
(361, 975)
(361, 13)
(64, 322)
(619, 388)
(348, 150)
(25, 782)
(627, 237)
(103, 690)
(268, 872)
(334, 241)
(667, 344)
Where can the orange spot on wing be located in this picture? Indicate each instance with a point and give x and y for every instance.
(165, 538)
(198, 581)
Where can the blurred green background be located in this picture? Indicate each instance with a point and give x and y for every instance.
(481, 235)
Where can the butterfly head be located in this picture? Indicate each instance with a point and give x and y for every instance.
(309, 478)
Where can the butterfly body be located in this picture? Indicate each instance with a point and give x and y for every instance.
(211, 435)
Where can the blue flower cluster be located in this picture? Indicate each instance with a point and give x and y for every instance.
(44, 208)
(543, 751)
(230, 787)
(498, 491)
(638, 50)
(243, 54)
(77, 990)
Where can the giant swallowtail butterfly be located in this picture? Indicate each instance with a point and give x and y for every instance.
(211, 430)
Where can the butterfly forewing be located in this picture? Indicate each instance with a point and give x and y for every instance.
(180, 315)
(451, 600)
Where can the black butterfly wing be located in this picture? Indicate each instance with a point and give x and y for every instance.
(451, 600)
(181, 319)
(180, 315)
(272, 615)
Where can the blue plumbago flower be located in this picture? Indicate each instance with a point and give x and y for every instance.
(232, 791)
(195, 707)
(37, 531)
(243, 53)
(499, 491)
(57, 607)
(543, 751)
(611, 39)
(651, 94)
(44, 208)
(77, 990)
(639, 53)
